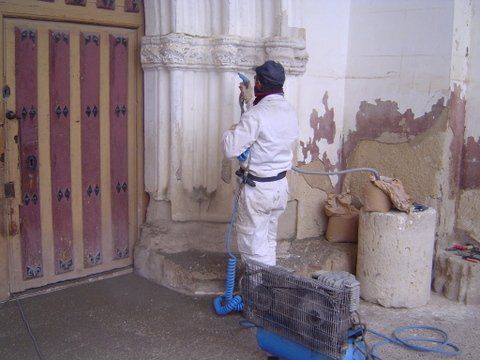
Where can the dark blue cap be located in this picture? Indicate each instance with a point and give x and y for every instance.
(271, 74)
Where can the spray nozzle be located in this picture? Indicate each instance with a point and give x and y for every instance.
(245, 79)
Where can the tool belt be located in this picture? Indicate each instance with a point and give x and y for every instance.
(250, 179)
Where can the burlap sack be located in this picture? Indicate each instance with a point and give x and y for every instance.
(339, 204)
(375, 199)
(342, 218)
(342, 228)
(395, 191)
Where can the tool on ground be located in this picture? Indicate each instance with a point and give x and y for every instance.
(467, 252)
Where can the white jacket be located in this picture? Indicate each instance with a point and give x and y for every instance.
(270, 130)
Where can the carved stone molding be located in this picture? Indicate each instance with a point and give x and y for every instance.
(183, 51)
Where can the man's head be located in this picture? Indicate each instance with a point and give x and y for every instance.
(270, 76)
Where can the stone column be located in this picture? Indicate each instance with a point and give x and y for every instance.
(191, 55)
(395, 254)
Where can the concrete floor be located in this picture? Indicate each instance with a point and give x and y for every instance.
(128, 317)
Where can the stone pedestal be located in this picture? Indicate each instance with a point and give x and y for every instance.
(395, 254)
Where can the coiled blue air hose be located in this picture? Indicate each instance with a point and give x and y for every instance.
(226, 303)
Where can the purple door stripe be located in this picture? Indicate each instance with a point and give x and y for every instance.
(60, 150)
(26, 109)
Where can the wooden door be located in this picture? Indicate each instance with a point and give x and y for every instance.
(71, 149)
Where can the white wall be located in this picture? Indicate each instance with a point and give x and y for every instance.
(472, 121)
(326, 25)
(398, 50)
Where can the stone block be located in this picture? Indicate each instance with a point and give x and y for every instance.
(457, 279)
(395, 254)
(287, 223)
(191, 272)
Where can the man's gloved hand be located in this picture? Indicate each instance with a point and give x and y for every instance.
(246, 92)
(244, 156)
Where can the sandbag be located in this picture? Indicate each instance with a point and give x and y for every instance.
(342, 218)
(395, 191)
(340, 204)
(342, 228)
(374, 199)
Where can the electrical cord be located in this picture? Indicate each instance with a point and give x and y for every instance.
(408, 343)
(27, 325)
(442, 346)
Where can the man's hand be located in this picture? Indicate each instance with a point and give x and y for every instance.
(246, 92)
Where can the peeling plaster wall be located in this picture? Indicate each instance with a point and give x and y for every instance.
(468, 212)
(383, 77)
(399, 99)
(400, 51)
(320, 108)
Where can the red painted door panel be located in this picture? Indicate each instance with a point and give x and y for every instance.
(119, 144)
(90, 123)
(26, 109)
(60, 150)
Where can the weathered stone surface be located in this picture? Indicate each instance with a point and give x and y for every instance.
(191, 272)
(287, 223)
(158, 210)
(171, 236)
(311, 219)
(468, 213)
(395, 253)
(421, 162)
(202, 272)
(308, 256)
(457, 279)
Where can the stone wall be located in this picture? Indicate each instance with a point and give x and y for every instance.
(392, 85)
(191, 54)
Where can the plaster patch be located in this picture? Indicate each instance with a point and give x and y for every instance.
(311, 219)
(319, 182)
(468, 213)
(456, 104)
(418, 163)
(323, 128)
(384, 117)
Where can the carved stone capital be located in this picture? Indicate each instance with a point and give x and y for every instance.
(222, 52)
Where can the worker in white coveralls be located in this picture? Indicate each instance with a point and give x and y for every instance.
(264, 137)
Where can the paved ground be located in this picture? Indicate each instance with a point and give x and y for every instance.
(128, 317)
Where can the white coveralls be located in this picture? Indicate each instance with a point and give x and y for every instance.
(270, 130)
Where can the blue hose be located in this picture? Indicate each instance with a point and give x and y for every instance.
(443, 348)
(225, 304)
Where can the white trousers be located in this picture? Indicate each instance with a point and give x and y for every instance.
(259, 208)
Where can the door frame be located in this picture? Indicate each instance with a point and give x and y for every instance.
(57, 10)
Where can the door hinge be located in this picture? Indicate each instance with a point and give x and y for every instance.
(9, 189)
